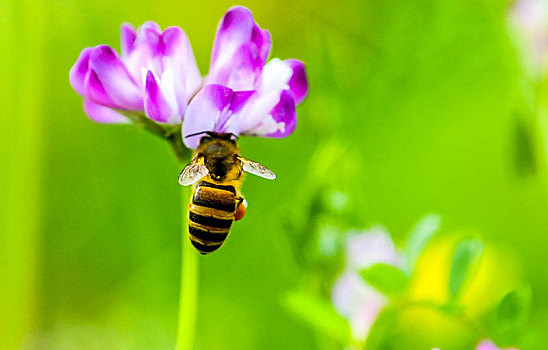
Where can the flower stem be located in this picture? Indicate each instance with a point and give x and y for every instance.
(188, 297)
(188, 294)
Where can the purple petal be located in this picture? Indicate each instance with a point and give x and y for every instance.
(141, 56)
(79, 70)
(239, 100)
(245, 71)
(102, 114)
(115, 79)
(148, 33)
(261, 40)
(298, 84)
(179, 57)
(203, 112)
(128, 35)
(230, 121)
(284, 113)
(95, 91)
(156, 105)
(240, 50)
(269, 115)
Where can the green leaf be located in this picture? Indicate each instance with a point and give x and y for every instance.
(514, 307)
(379, 333)
(467, 252)
(319, 314)
(385, 278)
(419, 237)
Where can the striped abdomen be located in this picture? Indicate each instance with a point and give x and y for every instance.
(210, 215)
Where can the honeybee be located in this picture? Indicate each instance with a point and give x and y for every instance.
(217, 172)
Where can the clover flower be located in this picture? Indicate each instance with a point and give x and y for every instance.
(352, 297)
(529, 19)
(156, 75)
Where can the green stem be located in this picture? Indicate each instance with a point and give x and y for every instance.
(188, 303)
(188, 295)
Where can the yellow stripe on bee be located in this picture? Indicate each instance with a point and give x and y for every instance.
(208, 243)
(218, 214)
(212, 230)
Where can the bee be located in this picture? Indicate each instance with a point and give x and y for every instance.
(216, 171)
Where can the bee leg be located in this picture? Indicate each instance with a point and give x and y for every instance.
(241, 205)
(239, 201)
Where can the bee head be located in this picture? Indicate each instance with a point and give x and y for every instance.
(211, 136)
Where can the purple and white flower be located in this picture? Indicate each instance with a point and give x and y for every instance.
(157, 75)
(352, 297)
(243, 94)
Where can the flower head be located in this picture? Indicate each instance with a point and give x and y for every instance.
(243, 94)
(353, 298)
(156, 75)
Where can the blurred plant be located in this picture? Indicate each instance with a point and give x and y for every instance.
(370, 256)
(359, 290)
(528, 21)
(489, 345)
(156, 84)
(373, 293)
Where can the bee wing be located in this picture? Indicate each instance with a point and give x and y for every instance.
(255, 168)
(192, 173)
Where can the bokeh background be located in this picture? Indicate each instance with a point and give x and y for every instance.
(423, 100)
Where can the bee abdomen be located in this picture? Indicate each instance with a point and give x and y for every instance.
(211, 214)
(204, 240)
(208, 220)
(214, 196)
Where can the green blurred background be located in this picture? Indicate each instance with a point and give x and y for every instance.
(424, 95)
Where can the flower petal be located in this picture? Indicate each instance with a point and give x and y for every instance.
(203, 112)
(156, 106)
(95, 91)
(268, 115)
(115, 79)
(275, 76)
(284, 115)
(128, 35)
(298, 83)
(140, 56)
(102, 114)
(240, 50)
(79, 70)
(179, 57)
(358, 302)
(371, 247)
(229, 122)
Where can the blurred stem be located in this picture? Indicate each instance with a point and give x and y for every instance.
(22, 107)
(188, 303)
